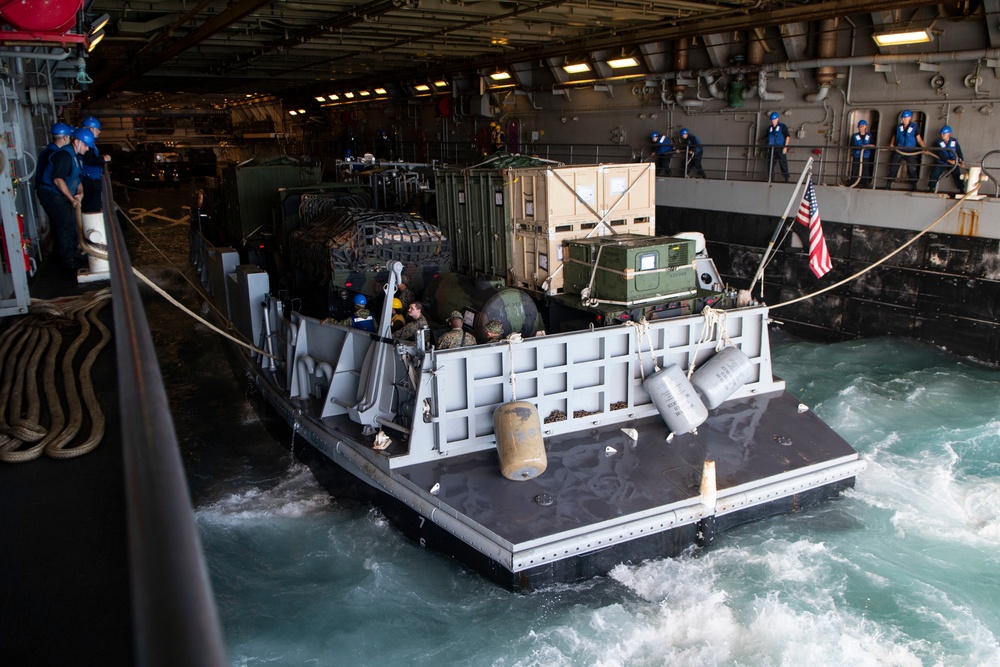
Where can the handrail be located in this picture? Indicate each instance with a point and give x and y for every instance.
(175, 621)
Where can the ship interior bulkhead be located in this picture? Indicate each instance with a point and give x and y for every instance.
(389, 100)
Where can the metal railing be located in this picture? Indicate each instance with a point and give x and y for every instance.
(174, 616)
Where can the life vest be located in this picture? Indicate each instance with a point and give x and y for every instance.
(363, 323)
(47, 182)
(96, 170)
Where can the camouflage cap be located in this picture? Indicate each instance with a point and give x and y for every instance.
(455, 315)
(362, 312)
(494, 328)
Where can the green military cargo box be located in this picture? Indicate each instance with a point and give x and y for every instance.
(631, 268)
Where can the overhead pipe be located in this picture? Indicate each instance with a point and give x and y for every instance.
(680, 64)
(825, 75)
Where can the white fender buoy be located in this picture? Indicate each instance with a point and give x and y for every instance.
(675, 399)
(719, 377)
(518, 430)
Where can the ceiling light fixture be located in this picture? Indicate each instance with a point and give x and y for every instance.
(576, 68)
(619, 63)
(94, 39)
(380, 91)
(900, 38)
(364, 93)
(441, 84)
(349, 96)
(320, 98)
(500, 76)
(334, 98)
(293, 112)
(302, 112)
(421, 88)
(99, 23)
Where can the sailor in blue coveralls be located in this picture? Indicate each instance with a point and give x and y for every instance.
(664, 149)
(861, 155)
(60, 191)
(949, 156)
(692, 154)
(61, 133)
(906, 139)
(778, 136)
(93, 170)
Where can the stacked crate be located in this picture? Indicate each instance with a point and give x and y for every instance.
(509, 222)
(552, 205)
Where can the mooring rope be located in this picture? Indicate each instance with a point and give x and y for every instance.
(879, 262)
(23, 348)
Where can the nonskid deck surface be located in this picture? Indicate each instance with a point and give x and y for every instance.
(750, 440)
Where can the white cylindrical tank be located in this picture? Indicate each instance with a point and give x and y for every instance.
(95, 234)
(719, 377)
(675, 399)
(697, 237)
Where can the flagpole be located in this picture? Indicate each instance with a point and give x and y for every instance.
(781, 223)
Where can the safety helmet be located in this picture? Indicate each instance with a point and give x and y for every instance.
(396, 303)
(91, 122)
(684, 132)
(774, 115)
(862, 122)
(946, 129)
(84, 135)
(455, 315)
(907, 114)
(62, 130)
(654, 136)
(360, 300)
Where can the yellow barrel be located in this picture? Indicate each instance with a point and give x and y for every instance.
(519, 440)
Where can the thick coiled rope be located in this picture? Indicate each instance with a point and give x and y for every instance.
(24, 411)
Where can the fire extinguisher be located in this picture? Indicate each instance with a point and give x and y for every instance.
(29, 263)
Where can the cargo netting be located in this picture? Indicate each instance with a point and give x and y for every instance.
(343, 239)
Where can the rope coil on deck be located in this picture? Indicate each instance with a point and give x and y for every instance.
(24, 413)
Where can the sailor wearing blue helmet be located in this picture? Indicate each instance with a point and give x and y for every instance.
(778, 139)
(906, 140)
(93, 169)
(692, 154)
(60, 192)
(664, 149)
(60, 137)
(861, 155)
(949, 158)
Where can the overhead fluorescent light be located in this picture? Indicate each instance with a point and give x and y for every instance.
(293, 112)
(334, 98)
(302, 111)
(576, 68)
(899, 38)
(380, 91)
(619, 63)
(364, 93)
(349, 96)
(500, 76)
(421, 88)
(441, 84)
(320, 98)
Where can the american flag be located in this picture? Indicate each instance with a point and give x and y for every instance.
(808, 215)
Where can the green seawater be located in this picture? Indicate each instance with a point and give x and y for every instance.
(902, 570)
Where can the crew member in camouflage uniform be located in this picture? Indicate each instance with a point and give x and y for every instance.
(457, 337)
(494, 332)
(362, 317)
(404, 293)
(416, 323)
